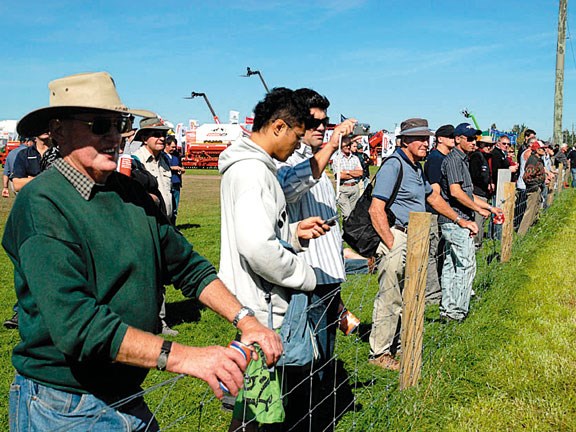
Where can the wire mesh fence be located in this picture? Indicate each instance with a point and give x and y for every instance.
(360, 396)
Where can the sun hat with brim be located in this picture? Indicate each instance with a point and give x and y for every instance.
(144, 131)
(74, 94)
(486, 140)
(415, 127)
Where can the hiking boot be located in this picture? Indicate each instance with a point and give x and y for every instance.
(12, 323)
(386, 361)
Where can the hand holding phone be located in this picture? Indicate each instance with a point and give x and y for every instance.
(331, 221)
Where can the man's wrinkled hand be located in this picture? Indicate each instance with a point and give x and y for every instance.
(268, 339)
(469, 225)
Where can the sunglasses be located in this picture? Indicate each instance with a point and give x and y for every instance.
(157, 134)
(103, 125)
(314, 123)
(471, 139)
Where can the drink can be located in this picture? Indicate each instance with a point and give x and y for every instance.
(348, 322)
(498, 219)
(124, 165)
(246, 353)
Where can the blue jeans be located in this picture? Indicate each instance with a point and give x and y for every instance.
(37, 408)
(573, 173)
(458, 271)
(175, 201)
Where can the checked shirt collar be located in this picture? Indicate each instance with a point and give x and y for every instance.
(79, 181)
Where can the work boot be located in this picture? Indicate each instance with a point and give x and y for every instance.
(386, 361)
(12, 323)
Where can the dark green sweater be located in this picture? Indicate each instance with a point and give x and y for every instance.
(84, 270)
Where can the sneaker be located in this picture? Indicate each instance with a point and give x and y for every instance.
(167, 331)
(348, 322)
(12, 323)
(386, 361)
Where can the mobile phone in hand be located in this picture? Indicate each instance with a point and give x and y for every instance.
(331, 221)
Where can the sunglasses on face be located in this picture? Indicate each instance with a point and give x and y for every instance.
(157, 134)
(103, 125)
(471, 139)
(314, 123)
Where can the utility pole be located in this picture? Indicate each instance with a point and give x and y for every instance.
(559, 87)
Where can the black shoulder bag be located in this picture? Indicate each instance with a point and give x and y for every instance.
(358, 230)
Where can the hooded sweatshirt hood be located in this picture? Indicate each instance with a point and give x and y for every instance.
(244, 149)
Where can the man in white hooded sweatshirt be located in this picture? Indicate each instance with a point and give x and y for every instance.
(254, 216)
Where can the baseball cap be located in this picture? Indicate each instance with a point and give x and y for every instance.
(467, 130)
(445, 131)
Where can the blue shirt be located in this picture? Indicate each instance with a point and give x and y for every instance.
(27, 163)
(174, 160)
(9, 164)
(414, 188)
(433, 165)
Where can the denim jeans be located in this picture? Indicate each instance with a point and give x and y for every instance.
(38, 408)
(458, 271)
(573, 173)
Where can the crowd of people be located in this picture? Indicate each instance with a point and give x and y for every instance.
(91, 309)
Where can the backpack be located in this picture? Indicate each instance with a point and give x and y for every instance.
(359, 232)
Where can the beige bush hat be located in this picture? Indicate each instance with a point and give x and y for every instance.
(73, 94)
(150, 124)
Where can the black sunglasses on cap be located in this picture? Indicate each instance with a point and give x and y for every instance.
(314, 123)
(103, 125)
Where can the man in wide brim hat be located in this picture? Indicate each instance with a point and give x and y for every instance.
(148, 125)
(87, 92)
(415, 127)
(92, 250)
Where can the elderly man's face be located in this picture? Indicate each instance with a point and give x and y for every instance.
(416, 146)
(155, 142)
(93, 154)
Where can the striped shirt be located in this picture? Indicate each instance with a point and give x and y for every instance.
(455, 169)
(306, 197)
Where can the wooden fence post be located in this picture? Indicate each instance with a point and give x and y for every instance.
(418, 244)
(560, 182)
(508, 226)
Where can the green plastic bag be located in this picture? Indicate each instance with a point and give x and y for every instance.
(260, 399)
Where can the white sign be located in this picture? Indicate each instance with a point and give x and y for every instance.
(212, 132)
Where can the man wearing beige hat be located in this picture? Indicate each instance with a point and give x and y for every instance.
(89, 312)
(152, 156)
(400, 188)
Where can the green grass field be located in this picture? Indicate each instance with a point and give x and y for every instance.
(510, 366)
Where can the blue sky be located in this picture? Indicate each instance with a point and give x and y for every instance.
(379, 61)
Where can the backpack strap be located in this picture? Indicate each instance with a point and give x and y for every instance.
(396, 185)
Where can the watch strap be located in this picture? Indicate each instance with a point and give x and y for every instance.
(163, 357)
(244, 312)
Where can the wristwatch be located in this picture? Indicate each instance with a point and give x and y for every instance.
(242, 313)
(163, 357)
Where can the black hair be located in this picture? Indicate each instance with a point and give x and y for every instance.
(281, 103)
(528, 132)
(313, 99)
(171, 139)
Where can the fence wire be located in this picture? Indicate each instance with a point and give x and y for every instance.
(357, 386)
